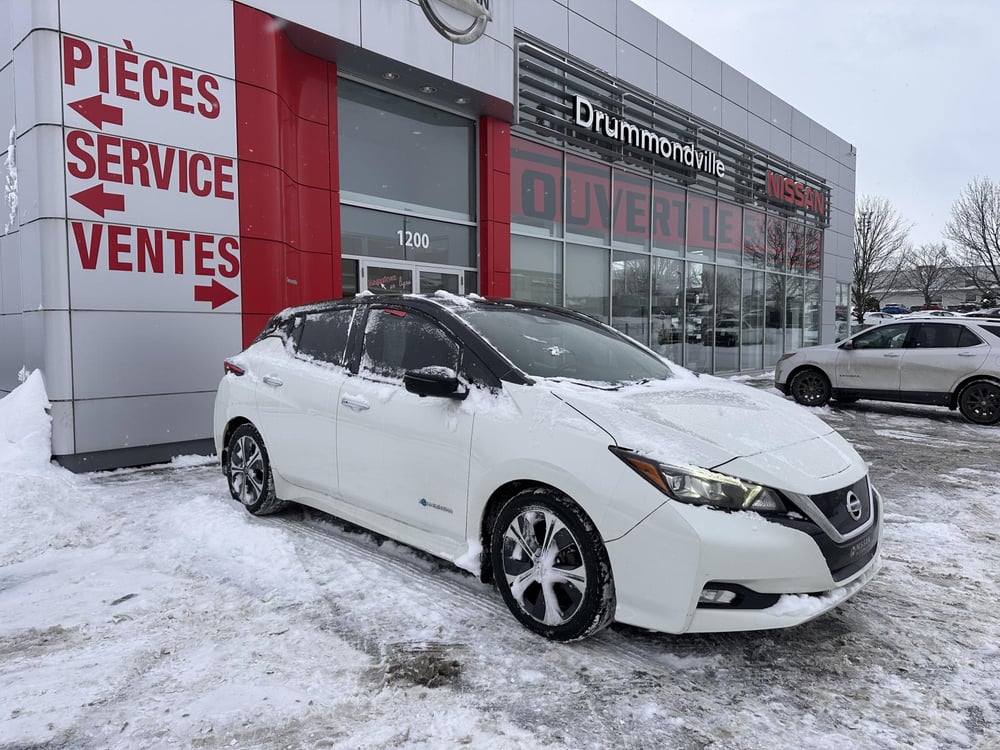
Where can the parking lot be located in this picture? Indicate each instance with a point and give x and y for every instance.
(145, 608)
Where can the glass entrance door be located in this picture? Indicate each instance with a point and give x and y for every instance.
(380, 277)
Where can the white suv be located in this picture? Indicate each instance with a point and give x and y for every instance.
(953, 362)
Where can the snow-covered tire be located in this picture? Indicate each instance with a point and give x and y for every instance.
(248, 471)
(979, 402)
(551, 567)
(810, 387)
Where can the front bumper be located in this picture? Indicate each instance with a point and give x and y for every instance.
(663, 565)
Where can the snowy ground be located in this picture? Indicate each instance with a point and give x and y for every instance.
(144, 608)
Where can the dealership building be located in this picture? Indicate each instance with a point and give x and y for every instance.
(175, 173)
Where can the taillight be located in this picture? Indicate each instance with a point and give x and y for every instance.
(233, 368)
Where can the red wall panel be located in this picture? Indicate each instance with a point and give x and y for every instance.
(494, 209)
(286, 104)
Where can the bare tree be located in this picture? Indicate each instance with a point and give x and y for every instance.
(975, 227)
(880, 238)
(931, 268)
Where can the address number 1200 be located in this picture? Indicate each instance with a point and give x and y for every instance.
(414, 239)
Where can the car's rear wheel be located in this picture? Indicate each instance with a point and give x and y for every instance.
(551, 566)
(810, 387)
(979, 402)
(248, 470)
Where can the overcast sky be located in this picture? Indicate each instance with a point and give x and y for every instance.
(913, 84)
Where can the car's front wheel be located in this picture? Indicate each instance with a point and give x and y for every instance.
(248, 470)
(810, 387)
(979, 402)
(551, 566)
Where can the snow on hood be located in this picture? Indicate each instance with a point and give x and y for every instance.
(703, 421)
(25, 426)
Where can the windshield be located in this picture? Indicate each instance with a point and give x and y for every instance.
(552, 345)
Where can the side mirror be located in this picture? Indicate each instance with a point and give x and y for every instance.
(441, 382)
(847, 344)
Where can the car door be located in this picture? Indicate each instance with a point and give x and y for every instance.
(940, 355)
(297, 399)
(400, 455)
(872, 363)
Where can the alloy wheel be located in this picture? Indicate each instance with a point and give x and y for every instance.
(811, 388)
(246, 470)
(544, 567)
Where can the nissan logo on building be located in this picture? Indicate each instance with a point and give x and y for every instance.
(854, 506)
(477, 10)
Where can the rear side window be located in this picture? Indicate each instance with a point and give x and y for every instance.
(995, 330)
(891, 336)
(397, 341)
(323, 335)
(942, 336)
(968, 338)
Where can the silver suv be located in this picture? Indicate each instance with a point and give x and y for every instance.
(953, 362)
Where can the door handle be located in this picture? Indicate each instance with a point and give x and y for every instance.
(271, 380)
(355, 402)
(966, 354)
(894, 356)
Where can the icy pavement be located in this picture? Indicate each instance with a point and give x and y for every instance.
(144, 608)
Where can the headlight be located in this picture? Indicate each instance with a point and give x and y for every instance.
(690, 484)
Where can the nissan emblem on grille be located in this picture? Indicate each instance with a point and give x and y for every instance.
(854, 506)
(477, 10)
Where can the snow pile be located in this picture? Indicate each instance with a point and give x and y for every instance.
(25, 426)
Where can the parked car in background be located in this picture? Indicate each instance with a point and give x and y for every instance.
(953, 362)
(895, 309)
(988, 312)
(589, 478)
(874, 318)
(931, 314)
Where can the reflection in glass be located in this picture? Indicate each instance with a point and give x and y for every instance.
(699, 322)
(794, 323)
(536, 270)
(774, 318)
(729, 235)
(669, 218)
(700, 227)
(776, 241)
(630, 294)
(535, 188)
(399, 153)
(667, 305)
(814, 251)
(753, 239)
(842, 312)
(349, 276)
(587, 281)
(433, 281)
(726, 334)
(382, 234)
(631, 211)
(796, 248)
(752, 324)
(812, 307)
(588, 192)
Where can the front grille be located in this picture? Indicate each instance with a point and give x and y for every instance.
(834, 506)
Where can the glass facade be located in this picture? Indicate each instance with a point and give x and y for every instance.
(708, 283)
(408, 194)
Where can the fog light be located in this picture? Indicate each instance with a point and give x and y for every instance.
(717, 596)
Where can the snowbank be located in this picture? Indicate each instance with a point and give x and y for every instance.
(25, 426)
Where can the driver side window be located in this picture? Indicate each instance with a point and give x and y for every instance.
(883, 337)
(401, 340)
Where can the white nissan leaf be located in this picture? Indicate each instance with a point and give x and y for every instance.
(589, 479)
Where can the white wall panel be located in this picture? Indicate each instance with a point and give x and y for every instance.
(36, 80)
(109, 424)
(133, 354)
(195, 34)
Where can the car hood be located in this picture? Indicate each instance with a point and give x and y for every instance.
(706, 421)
